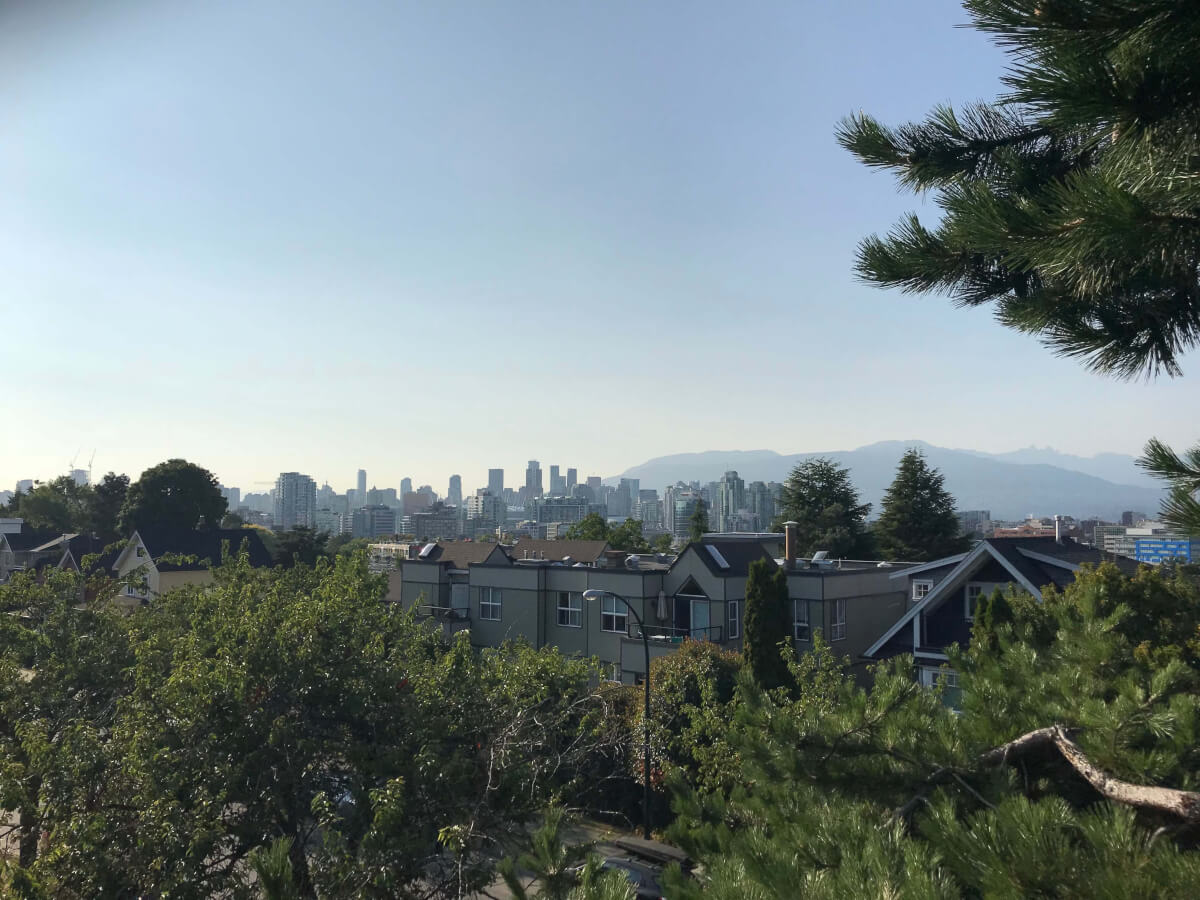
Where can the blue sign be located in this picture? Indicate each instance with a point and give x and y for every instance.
(1156, 550)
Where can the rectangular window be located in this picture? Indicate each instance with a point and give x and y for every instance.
(920, 589)
(491, 604)
(735, 623)
(837, 628)
(614, 616)
(140, 552)
(570, 609)
(944, 679)
(800, 619)
(974, 592)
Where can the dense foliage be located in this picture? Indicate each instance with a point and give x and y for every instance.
(767, 623)
(917, 521)
(1070, 204)
(65, 507)
(848, 792)
(175, 495)
(173, 750)
(821, 499)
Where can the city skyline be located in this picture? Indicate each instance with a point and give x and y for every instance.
(673, 191)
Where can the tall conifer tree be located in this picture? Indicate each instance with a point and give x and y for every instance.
(917, 520)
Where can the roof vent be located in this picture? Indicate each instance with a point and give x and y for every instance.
(567, 561)
(633, 561)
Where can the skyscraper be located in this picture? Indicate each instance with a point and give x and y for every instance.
(572, 480)
(295, 501)
(533, 479)
(405, 486)
(558, 484)
(454, 492)
(496, 482)
(362, 486)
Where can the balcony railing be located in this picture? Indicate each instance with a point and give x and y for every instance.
(449, 613)
(666, 634)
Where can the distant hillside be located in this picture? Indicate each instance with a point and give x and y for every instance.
(1006, 484)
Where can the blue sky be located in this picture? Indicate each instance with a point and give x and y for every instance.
(426, 238)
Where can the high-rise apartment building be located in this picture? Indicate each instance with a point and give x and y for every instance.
(558, 484)
(728, 501)
(496, 482)
(79, 476)
(295, 501)
(233, 497)
(572, 480)
(362, 486)
(533, 480)
(405, 486)
(25, 485)
(485, 512)
(454, 492)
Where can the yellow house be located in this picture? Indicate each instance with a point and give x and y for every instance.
(152, 563)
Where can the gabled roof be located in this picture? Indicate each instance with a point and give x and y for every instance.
(1032, 563)
(579, 551)
(726, 559)
(29, 539)
(206, 546)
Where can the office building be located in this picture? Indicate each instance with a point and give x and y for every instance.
(572, 480)
(374, 521)
(79, 476)
(495, 483)
(558, 484)
(454, 493)
(485, 512)
(975, 522)
(362, 486)
(533, 480)
(24, 486)
(405, 486)
(295, 502)
(233, 497)
(559, 509)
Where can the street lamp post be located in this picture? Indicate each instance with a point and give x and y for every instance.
(592, 595)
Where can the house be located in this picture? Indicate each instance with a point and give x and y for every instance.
(943, 595)
(24, 549)
(535, 590)
(155, 562)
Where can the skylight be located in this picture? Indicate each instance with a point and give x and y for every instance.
(717, 557)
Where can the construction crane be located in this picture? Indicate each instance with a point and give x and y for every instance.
(90, 461)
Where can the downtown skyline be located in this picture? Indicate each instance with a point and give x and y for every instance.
(307, 235)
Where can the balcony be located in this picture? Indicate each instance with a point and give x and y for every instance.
(452, 619)
(662, 639)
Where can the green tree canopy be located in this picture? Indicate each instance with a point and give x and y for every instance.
(1069, 769)
(591, 527)
(768, 623)
(628, 536)
(1181, 508)
(175, 495)
(1069, 205)
(917, 521)
(821, 499)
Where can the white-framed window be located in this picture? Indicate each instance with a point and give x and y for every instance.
(614, 616)
(945, 679)
(920, 589)
(570, 609)
(837, 628)
(800, 619)
(974, 592)
(734, 613)
(491, 604)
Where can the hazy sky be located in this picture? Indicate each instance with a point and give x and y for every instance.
(425, 238)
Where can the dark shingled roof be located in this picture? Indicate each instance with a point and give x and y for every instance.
(739, 555)
(1068, 550)
(579, 551)
(205, 546)
(459, 554)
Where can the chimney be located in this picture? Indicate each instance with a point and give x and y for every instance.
(790, 538)
(1058, 529)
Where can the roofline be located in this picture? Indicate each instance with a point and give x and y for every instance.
(1049, 560)
(941, 588)
(935, 564)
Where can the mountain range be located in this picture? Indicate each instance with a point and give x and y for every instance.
(1011, 485)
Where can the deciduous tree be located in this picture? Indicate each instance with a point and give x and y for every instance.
(175, 495)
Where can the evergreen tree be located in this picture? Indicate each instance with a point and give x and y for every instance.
(917, 522)
(1181, 509)
(1069, 205)
(698, 523)
(820, 498)
(767, 624)
(1069, 769)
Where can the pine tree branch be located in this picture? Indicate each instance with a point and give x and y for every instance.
(1181, 804)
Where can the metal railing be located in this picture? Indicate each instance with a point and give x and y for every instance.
(450, 613)
(667, 634)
